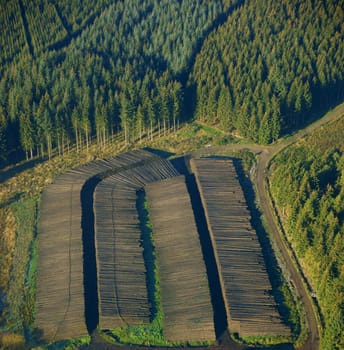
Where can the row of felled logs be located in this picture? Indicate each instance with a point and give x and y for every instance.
(251, 310)
(185, 295)
(122, 293)
(122, 285)
(60, 304)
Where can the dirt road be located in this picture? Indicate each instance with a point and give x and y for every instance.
(265, 154)
(312, 342)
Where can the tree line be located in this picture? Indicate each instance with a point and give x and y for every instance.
(308, 186)
(124, 65)
(269, 66)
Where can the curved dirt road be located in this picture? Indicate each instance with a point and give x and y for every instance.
(312, 342)
(265, 154)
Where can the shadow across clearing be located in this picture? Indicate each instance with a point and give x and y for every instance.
(89, 258)
(220, 319)
(271, 263)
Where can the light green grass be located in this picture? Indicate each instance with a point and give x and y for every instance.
(20, 296)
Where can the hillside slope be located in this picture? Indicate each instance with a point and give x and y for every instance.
(308, 186)
(269, 65)
(75, 71)
(112, 66)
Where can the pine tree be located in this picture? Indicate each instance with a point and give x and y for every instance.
(265, 130)
(176, 104)
(124, 115)
(3, 132)
(140, 122)
(85, 119)
(212, 102)
(76, 127)
(27, 134)
(149, 108)
(224, 109)
(276, 120)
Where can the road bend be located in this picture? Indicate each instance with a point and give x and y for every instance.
(265, 154)
(271, 215)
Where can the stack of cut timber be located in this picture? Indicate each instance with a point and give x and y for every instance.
(251, 310)
(121, 273)
(60, 290)
(122, 292)
(184, 286)
(60, 297)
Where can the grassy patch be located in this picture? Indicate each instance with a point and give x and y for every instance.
(20, 296)
(12, 341)
(190, 137)
(7, 246)
(281, 341)
(211, 130)
(68, 344)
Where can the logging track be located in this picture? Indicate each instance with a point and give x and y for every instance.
(265, 155)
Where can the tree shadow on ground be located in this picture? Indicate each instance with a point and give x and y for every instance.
(268, 253)
(89, 254)
(11, 171)
(159, 152)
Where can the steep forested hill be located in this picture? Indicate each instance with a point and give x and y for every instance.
(71, 70)
(269, 64)
(308, 186)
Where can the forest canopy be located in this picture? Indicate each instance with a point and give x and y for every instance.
(308, 186)
(75, 70)
(269, 66)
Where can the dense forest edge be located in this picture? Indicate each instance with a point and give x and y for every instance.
(147, 66)
(86, 80)
(307, 186)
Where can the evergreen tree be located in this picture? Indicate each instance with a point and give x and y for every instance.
(276, 120)
(27, 134)
(3, 140)
(224, 109)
